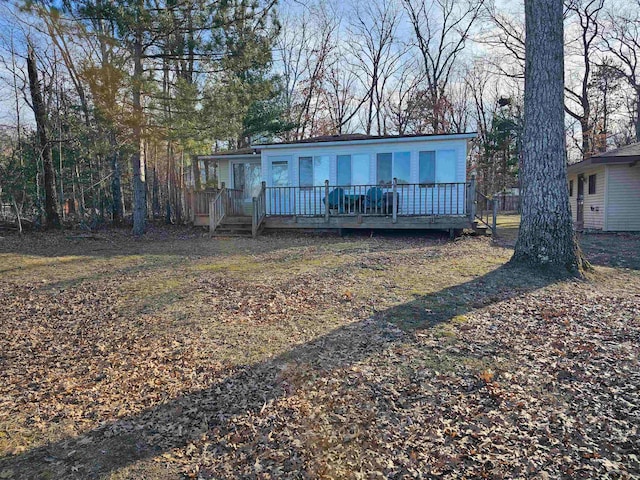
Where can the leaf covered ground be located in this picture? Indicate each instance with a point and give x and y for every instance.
(176, 356)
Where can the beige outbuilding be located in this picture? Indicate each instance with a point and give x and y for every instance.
(604, 191)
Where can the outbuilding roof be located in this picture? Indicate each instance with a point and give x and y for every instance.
(627, 154)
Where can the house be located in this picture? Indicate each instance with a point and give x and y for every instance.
(604, 191)
(342, 181)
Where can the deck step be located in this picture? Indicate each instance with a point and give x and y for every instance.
(239, 226)
(237, 220)
(480, 229)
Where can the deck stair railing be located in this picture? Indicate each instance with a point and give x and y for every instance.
(234, 201)
(217, 210)
(486, 211)
(259, 210)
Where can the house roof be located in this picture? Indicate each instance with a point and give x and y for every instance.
(240, 152)
(360, 137)
(627, 154)
(329, 139)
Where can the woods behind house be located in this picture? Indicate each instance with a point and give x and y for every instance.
(105, 104)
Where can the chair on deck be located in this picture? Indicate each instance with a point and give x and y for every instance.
(335, 200)
(373, 200)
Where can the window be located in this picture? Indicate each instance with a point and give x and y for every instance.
(402, 166)
(427, 167)
(384, 167)
(344, 170)
(437, 167)
(396, 165)
(571, 188)
(353, 170)
(446, 166)
(306, 171)
(280, 173)
(592, 184)
(313, 170)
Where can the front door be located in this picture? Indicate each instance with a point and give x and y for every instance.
(580, 203)
(247, 177)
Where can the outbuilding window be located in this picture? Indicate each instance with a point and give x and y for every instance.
(592, 184)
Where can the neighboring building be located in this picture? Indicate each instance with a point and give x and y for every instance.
(604, 191)
(360, 178)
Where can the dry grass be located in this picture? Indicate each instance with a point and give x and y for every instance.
(283, 356)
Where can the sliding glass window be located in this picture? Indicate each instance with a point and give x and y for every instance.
(353, 170)
(313, 171)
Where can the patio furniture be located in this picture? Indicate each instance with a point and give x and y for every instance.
(335, 200)
(387, 202)
(354, 203)
(373, 200)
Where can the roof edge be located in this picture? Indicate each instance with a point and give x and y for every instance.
(366, 141)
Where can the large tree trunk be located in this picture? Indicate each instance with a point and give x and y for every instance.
(546, 237)
(137, 160)
(52, 218)
(637, 119)
(116, 183)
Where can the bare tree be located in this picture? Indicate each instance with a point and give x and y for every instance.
(37, 102)
(403, 104)
(441, 29)
(341, 95)
(304, 50)
(623, 42)
(578, 101)
(378, 55)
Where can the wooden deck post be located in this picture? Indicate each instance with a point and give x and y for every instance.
(326, 201)
(394, 209)
(471, 200)
(495, 216)
(191, 195)
(211, 215)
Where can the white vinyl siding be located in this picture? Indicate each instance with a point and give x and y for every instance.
(594, 203)
(623, 203)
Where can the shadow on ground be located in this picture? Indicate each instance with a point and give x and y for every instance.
(178, 422)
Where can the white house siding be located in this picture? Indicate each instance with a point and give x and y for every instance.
(623, 203)
(594, 203)
(573, 197)
(414, 200)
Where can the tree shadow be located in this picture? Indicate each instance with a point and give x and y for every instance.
(616, 250)
(184, 419)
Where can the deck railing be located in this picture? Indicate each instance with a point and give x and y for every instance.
(217, 210)
(259, 210)
(395, 199)
(200, 201)
(234, 201)
(486, 211)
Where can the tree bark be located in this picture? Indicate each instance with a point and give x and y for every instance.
(546, 237)
(52, 218)
(137, 160)
(637, 119)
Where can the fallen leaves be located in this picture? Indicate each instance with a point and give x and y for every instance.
(477, 375)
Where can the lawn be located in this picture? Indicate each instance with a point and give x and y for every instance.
(289, 356)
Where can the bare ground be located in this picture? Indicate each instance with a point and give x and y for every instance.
(291, 356)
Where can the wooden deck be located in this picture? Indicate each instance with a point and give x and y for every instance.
(368, 222)
(449, 207)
